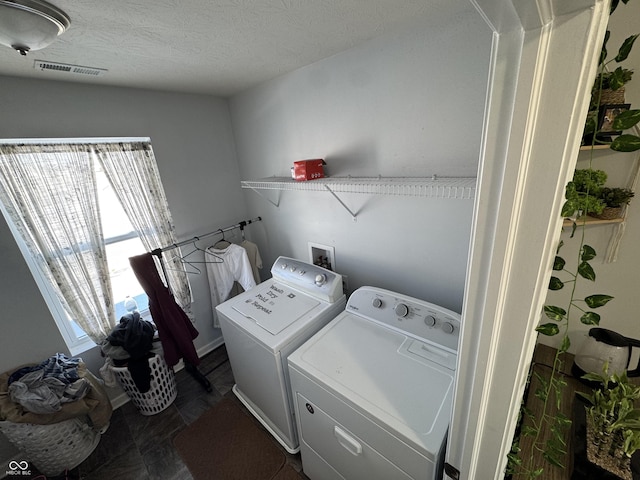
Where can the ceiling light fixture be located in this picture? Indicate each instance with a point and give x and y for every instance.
(27, 25)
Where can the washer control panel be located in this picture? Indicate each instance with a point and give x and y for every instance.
(420, 319)
(312, 279)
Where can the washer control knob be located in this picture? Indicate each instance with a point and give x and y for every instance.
(293, 269)
(401, 310)
(430, 320)
(302, 272)
(377, 303)
(284, 265)
(447, 327)
(321, 279)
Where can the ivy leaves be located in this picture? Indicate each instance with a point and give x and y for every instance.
(558, 314)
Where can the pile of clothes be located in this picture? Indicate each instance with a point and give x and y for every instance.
(45, 387)
(57, 389)
(130, 344)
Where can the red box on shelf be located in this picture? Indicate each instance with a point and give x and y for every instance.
(308, 169)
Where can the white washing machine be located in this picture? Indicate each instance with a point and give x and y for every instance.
(374, 389)
(262, 326)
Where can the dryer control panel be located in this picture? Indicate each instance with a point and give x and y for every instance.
(311, 279)
(420, 319)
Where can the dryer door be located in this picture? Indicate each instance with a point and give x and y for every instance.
(331, 447)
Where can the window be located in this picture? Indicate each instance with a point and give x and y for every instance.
(113, 207)
(121, 241)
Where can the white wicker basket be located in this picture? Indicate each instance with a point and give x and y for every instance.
(53, 448)
(163, 389)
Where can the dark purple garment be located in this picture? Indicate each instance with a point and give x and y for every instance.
(174, 327)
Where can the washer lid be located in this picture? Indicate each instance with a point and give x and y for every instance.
(385, 373)
(275, 306)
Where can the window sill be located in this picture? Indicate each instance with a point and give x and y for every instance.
(82, 345)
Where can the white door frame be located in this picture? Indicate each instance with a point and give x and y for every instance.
(544, 58)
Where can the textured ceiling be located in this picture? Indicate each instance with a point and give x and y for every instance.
(217, 47)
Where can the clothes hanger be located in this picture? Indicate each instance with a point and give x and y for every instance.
(194, 270)
(222, 243)
(208, 256)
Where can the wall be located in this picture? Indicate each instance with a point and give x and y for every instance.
(194, 149)
(620, 278)
(409, 104)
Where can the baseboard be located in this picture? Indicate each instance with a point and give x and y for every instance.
(122, 398)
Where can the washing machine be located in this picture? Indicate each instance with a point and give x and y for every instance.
(262, 326)
(373, 390)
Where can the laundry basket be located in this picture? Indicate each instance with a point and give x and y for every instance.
(53, 448)
(163, 389)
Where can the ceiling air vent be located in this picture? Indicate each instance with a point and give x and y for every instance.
(63, 67)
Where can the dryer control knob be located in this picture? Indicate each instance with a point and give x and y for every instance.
(447, 327)
(377, 303)
(401, 310)
(284, 266)
(430, 320)
(321, 279)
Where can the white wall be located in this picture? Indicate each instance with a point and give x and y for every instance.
(409, 104)
(193, 144)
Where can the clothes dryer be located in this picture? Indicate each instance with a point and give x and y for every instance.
(373, 390)
(262, 326)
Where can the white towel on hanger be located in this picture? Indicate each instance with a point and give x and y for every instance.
(235, 267)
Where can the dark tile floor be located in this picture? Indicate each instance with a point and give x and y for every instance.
(141, 447)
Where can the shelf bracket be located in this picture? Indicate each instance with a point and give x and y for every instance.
(265, 197)
(354, 217)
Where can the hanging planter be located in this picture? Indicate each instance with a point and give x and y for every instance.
(612, 97)
(614, 199)
(608, 213)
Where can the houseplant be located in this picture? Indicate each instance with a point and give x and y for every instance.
(614, 200)
(583, 193)
(613, 421)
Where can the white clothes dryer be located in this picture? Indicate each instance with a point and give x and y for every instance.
(373, 389)
(262, 326)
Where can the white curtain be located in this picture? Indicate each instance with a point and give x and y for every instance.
(50, 194)
(132, 171)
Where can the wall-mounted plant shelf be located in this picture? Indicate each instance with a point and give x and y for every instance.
(618, 223)
(585, 148)
(432, 187)
(592, 221)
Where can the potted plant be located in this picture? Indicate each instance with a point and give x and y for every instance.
(614, 200)
(613, 421)
(612, 91)
(583, 193)
(608, 89)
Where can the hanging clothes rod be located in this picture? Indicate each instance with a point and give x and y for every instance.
(158, 251)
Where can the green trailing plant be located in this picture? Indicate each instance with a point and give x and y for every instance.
(613, 80)
(557, 322)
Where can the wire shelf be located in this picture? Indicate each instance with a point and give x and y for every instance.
(433, 187)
